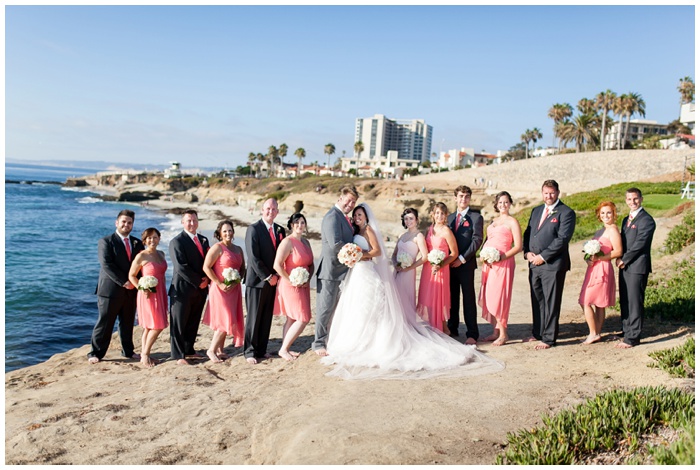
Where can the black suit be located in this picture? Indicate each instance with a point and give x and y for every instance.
(113, 299)
(551, 241)
(259, 294)
(187, 299)
(636, 256)
(469, 236)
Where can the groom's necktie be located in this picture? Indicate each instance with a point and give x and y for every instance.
(546, 213)
(458, 219)
(349, 221)
(128, 247)
(199, 245)
(629, 220)
(272, 236)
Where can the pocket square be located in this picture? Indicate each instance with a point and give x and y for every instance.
(465, 224)
(554, 220)
(634, 226)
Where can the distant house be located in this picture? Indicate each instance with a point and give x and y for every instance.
(174, 171)
(453, 158)
(638, 130)
(390, 166)
(483, 159)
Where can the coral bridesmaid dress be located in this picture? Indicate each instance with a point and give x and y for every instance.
(406, 280)
(290, 301)
(153, 310)
(224, 310)
(497, 281)
(434, 290)
(599, 284)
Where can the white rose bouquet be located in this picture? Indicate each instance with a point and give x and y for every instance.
(350, 254)
(148, 284)
(231, 276)
(299, 276)
(490, 255)
(591, 248)
(404, 260)
(436, 257)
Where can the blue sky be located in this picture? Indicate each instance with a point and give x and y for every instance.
(207, 85)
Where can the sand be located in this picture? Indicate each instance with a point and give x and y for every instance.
(65, 411)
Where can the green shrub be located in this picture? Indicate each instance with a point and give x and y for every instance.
(598, 425)
(279, 195)
(672, 298)
(678, 361)
(680, 452)
(681, 235)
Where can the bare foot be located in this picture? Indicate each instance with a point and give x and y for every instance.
(500, 341)
(221, 354)
(286, 355)
(623, 345)
(183, 362)
(321, 352)
(293, 353)
(135, 356)
(213, 357)
(146, 361)
(542, 345)
(470, 341)
(493, 336)
(93, 360)
(616, 338)
(251, 360)
(530, 339)
(590, 339)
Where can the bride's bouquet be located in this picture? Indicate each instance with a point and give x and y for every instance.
(436, 257)
(148, 284)
(231, 276)
(299, 276)
(490, 255)
(350, 254)
(404, 260)
(591, 248)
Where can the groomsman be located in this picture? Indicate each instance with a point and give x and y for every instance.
(468, 228)
(546, 247)
(336, 231)
(116, 296)
(261, 241)
(188, 289)
(635, 265)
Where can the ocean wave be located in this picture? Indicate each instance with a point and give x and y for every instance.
(89, 200)
(77, 190)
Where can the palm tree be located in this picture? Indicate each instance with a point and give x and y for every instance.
(526, 139)
(618, 109)
(586, 106)
(272, 156)
(251, 161)
(261, 158)
(535, 135)
(604, 101)
(300, 153)
(359, 148)
(563, 132)
(632, 104)
(282, 153)
(584, 128)
(329, 150)
(558, 113)
(686, 87)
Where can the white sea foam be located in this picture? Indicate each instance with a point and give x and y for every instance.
(89, 200)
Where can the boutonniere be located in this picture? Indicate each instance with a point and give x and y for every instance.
(553, 212)
(465, 223)
(554, 220)
(634, 226)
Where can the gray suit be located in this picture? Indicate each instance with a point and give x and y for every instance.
(335, 233)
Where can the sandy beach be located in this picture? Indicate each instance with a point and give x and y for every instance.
(66, 411)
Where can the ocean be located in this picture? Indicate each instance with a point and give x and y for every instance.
(51, 265)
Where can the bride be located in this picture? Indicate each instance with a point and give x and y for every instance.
(376, 334)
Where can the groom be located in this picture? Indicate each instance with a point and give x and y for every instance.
(336, 231)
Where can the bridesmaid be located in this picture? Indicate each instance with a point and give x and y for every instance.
(497, 278)
(434, 290)
(598, 290)
(293, 302)
(412, 242)
(224, 310)
(152, 307)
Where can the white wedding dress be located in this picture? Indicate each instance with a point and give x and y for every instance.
(376, 334)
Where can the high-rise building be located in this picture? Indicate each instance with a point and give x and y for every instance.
(412, 138)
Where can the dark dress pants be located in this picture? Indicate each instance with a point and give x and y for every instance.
(260, 303)
(109, 309)
(546, 291)
(632, 289)
(185, 315)
(462, 279)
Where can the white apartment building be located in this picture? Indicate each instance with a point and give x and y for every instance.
(453, 158)
(688, 116)
(412, 139)
(389, 166)
(638, 130)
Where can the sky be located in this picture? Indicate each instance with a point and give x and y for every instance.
(207, 85)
